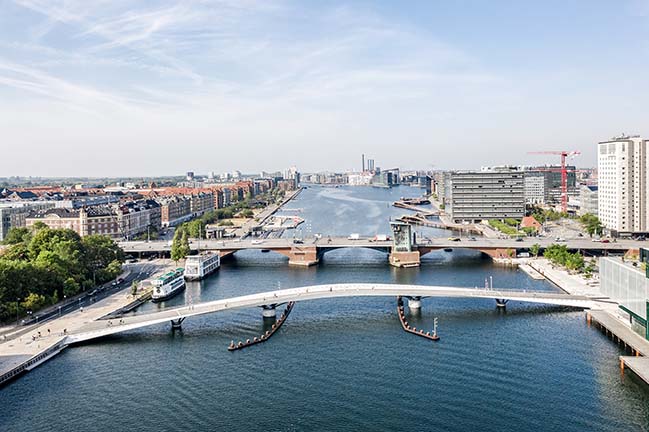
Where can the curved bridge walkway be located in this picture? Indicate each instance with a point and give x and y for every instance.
(101, 328)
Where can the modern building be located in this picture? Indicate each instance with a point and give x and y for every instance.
(628, 284)
(536, 191)
(484, 195)
(588, 201)
(623, 184)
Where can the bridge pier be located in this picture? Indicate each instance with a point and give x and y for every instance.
(414, 303)
(269, 311)
(405, 259)
(177, 324)
(303, 256)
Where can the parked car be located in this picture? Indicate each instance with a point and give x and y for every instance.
(472, 239)
(519, 239)
(454, 239)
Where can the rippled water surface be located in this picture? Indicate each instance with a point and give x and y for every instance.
(342, 364)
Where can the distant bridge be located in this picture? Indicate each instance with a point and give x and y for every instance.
(100, 328)
(309, 251)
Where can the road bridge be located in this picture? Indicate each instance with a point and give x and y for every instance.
(309, 251)
(100, 328)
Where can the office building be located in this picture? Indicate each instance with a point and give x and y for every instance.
(493, 194)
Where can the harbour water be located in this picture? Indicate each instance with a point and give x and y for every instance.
(342, 364)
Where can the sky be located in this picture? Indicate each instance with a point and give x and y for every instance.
(128, 88)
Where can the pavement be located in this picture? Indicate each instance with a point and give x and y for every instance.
(27, 343)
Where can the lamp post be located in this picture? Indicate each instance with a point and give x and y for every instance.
(17, 304)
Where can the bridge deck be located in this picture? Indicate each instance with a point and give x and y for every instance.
(101, 328)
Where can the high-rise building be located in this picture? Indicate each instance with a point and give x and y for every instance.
(623, 184)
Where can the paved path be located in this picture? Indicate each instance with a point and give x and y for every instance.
(14, 351)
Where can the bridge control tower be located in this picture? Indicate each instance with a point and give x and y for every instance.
(403, 253)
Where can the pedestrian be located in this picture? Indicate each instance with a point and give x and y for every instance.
(48, 332)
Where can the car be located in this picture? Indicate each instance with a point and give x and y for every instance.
(606, 241)
(298, 241)
(472, 239)
(596, 240)
(92, 293)
(519, 239)
(559, 239)
(454, 239)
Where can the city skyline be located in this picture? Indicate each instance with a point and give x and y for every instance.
(160, 88)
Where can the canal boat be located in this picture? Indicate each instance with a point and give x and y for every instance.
(202, 265)
(168, 285)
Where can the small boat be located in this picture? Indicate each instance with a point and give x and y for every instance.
(265, 250)
(448, 250)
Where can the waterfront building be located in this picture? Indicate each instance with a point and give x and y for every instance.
(588, 201)
(628, 284)
(623, 185)
(484, 195)
(359, 179)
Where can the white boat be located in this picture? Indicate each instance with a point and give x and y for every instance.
(168, 285)
(200, 266)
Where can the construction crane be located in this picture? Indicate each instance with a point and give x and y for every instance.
(564, 173)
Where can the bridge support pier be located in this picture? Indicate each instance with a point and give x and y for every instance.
(414, 303)
(501, 303)
(303, 256)
(269, 311)
(177, 324)
(405, 259)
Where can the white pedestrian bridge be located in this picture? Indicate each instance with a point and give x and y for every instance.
(105, 327)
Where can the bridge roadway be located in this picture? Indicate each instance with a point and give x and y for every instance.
(325, 244)
(99, 328)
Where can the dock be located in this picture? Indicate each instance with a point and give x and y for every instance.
(264, 337)
(413, 330)
(636, 345)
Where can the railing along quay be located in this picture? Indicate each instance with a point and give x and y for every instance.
(406, 327)
(264, 337)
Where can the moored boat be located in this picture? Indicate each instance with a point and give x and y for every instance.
(202, 265)
(168, 285)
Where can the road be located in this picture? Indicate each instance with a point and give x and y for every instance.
(343, 242)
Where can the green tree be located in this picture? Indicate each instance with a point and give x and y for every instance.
(592, 225)
(17, 235)
(34, 302)
(535, 249)
(180, 245)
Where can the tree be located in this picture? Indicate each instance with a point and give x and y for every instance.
(34, 302)
(591, 224)
(17, 235)
(535, 249)
(180, 245)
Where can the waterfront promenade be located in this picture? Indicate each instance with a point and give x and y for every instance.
(608, 316)
(18, 349)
